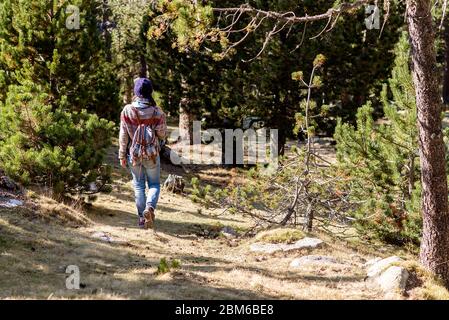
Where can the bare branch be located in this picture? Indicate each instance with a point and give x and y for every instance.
(288, 19)
(444, 13)
(302, 39)
(291, 17)
(324, 29)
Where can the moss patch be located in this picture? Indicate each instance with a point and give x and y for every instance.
(281, 236)
(422, 284)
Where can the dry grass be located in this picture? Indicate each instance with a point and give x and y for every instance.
(34, 255)
(423, 285)
(52, 210)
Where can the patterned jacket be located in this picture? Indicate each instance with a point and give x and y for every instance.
(149, 115)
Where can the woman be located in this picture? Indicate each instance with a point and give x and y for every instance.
(143, 111)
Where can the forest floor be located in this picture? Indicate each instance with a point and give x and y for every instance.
(118, 260)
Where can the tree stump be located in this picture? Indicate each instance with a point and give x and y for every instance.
(174, 184)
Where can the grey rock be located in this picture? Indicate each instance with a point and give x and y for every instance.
(380, 266)
(393, 280)
(102, 236)
(388, 277)
(313, 260)
(7, 183)
(10, 203)
(229, 232)
(371, 262)
(266, 247)
(306, 243)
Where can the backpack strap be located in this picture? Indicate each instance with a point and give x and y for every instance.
(136, 113)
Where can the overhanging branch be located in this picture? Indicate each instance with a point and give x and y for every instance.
(283, 21)
(290, 17)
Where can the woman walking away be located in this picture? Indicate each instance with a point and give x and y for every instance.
(142, 126)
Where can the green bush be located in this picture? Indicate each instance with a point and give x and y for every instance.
(199, 194)
(49, 145)
(50, 75)
(381, 161)
(166, 266)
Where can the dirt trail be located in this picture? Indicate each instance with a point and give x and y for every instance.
(34, 256)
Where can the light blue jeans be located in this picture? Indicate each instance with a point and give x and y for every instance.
(147, 173)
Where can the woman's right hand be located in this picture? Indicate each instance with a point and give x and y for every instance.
(123, 163)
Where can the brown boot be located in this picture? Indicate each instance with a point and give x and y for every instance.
(149, 216)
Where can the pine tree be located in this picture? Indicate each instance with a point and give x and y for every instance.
(50, 76)
(72, 61)
(358, 59)
(381, 160)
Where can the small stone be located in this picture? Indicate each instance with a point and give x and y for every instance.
(103, 237)
(229, 232)
(357, 259)
(233, 244)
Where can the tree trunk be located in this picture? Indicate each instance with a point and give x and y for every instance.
(435, 242)
(309, 217)
(185, 116)
(144, 25)
(185, 122)
(446, 62)
(107, 33)
(143, 73)
(129, 85)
